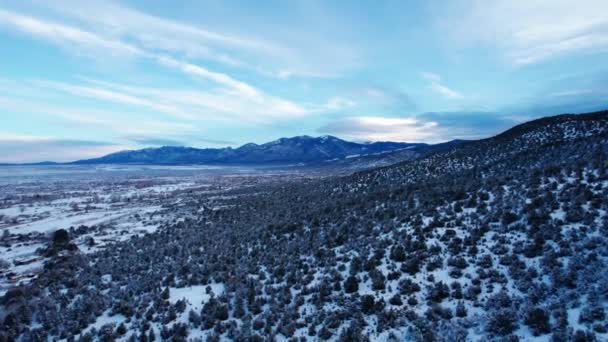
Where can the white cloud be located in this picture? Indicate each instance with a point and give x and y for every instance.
(221, 105)
(337, 104)
(64, 35)
(271, 57)
(445, 91)
(430, 76)
(111, 18)
(436, 85)
(530, 31)
(112, 96)
(240, 87)
(574, 92)
(376, 128)
(111, 122)
(234, 97)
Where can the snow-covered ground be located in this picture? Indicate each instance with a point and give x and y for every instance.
(195, 296)
(101, 204)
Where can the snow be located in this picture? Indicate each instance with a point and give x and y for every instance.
(195, 296)
(104, 320)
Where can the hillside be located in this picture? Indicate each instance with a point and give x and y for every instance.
(500, 239)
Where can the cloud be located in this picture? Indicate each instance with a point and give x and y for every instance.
(251, 48)
(445, 91)
(240, 87)
(430, 76)
(217, 105)
(29, 148)
(436, 85)
(431, 127)
(231, 90)
(64, 35)
(567, 93)
(336, 104)
(529, 32)
(573, 92)
(112, 96)
(70, 35)
(95, 118)
(390, 98)
(111, 18)
(374, 128)
(468, 124)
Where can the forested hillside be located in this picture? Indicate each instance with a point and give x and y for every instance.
(501, 238)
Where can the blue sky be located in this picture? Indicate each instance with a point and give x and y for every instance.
(79, 79)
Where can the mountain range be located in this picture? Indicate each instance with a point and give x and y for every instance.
(300, 149)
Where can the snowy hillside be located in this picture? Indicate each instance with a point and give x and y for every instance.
(500, 239)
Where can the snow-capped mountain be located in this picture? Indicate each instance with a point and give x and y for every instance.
(300, 149)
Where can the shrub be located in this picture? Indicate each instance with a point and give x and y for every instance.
(351, 284)
(538, 321)
(367, 304)
(502, 322)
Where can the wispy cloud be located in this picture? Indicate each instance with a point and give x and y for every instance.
(259, 53)
(112, 96)
(244, 95)
(436, 85)
(389, 97)
(574, 92)
(64, 35)
(111, 122)
(220, 105)
(240, 87)
(529, 32)
(160, 34)
(445, 91)
(433, 77)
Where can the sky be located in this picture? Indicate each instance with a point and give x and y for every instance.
(80, 79)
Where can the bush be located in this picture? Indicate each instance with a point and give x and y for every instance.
(351, 284)
(502, 323)
(61, 237)
(508, 218)
(398, 253)
(581, 336)
(396, 300)
(461, 310)
(367, 304)
(538, 321)
(438, 292)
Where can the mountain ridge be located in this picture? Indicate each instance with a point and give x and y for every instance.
(298, 149)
